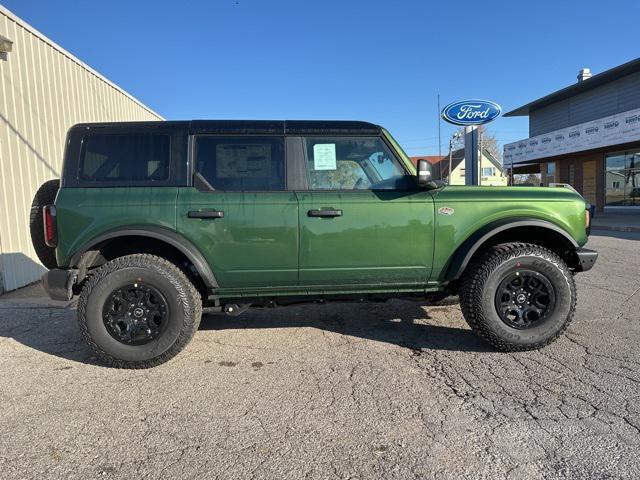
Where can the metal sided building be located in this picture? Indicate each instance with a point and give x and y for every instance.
(44, 90)
(586, 135)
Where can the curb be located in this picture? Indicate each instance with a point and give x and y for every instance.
(610, 228)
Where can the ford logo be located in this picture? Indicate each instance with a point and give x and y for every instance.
(471, 112)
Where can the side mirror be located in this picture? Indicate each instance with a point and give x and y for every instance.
(424, 174)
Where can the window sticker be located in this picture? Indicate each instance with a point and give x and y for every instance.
(324, 156)
(241, 160)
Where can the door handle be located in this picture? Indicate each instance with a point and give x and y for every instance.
(205, 214)
(328, 213)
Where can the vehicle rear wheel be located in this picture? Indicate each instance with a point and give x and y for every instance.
(518, 296)
(45, 195)
(138, 311)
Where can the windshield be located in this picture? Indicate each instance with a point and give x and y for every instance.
(405, 158)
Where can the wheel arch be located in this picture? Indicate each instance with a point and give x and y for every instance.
(528, 230)
(90, 252)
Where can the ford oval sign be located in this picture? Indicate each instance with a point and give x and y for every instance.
(471, 112)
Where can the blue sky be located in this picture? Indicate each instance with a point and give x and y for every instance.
(372, 60)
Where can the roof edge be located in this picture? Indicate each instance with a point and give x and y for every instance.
(4, 10)
(601, 78)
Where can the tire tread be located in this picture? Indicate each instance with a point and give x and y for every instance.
(477, 274)
(189, 296)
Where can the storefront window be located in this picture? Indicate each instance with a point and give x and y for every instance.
(551, 168)
(550, 171)
(622, 178)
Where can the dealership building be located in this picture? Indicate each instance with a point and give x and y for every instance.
(586, 135)
(44, 91)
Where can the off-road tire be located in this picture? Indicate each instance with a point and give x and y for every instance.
(479, 286)
(185, 307)
(45, 195)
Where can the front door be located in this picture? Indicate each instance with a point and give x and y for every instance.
(239, 212)
(362, 220)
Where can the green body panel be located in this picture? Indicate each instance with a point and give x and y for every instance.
(266, 244)
(474, 207)
(382, 238)
(85, 213)
(255, 244)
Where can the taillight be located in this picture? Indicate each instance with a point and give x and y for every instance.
(50, 229)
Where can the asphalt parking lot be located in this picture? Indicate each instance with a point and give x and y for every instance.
(392, 390)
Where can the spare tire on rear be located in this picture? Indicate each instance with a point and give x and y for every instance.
(45, 195)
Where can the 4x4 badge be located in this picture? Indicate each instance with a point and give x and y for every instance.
(446, 211)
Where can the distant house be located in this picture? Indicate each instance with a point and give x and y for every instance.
(491, 171)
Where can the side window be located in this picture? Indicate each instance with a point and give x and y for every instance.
(126, 158)
(353, 163)
(241, 163)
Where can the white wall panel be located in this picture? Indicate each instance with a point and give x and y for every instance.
(44, 90)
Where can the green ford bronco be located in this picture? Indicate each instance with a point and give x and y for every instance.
(153, 221)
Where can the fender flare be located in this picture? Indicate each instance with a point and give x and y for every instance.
(159, 233)
(470, 246)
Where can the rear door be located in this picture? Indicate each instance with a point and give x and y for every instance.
(239, 212)
(362, 219)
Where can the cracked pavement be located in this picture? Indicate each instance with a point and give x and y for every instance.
(377, 390)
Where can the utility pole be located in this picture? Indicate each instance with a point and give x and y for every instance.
(439, 123)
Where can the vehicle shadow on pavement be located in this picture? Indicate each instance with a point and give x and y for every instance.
(49, 329)
(53, 329)
(403, 323)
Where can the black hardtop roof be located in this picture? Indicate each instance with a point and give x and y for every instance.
(249, 127)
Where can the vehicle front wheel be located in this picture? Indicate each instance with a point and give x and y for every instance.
(518, 296)
(138, 311)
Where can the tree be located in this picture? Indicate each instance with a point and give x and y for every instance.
(488, 139)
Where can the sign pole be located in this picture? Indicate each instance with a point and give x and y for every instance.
(479, 156)
(471, 155)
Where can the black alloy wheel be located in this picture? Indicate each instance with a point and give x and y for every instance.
(524, 299)
(136, 314)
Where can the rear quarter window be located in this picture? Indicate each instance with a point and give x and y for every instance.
(125, 159)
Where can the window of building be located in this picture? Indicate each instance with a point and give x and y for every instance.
(488, 171)
(551, 168)
(622, 178)
(353, 163)
(126, 158)
(241, 163)
(550, 171)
